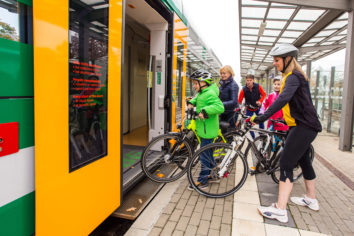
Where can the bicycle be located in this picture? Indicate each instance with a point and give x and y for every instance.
(268, 150)
(166, 157)
(229, 168)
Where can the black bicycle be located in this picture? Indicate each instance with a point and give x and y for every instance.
(266, 150)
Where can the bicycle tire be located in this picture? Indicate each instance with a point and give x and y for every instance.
(232, 179)
(165, 158)
(262, 139)
(297, 170)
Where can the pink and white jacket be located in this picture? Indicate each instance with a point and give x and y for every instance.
(279, 114)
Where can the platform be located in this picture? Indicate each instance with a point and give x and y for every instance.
(178, 211)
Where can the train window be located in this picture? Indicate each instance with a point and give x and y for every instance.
(15, 21)
(88, 68)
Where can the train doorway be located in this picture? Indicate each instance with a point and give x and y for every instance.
(144, 83)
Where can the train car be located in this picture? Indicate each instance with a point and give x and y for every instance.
(85, 84)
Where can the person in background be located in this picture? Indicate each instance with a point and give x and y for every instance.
(228, 95)
(269, 101)
(209, 107)
(254, 96)
(300, 115)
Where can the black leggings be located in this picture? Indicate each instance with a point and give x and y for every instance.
(296, 150)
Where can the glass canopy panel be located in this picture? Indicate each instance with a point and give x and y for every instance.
(308, 44)
(275, 24)
(315, 40)
(282, 5)
(253, 12)
(337, 25)
(325, 33)
(344, 16)
(307, 14)
(344, 32)
(251, 38)
(326, 43)
(292, 33)
(246, 48)
(279, 13)
(265, 43)
(251, 2)
(267, 39)
(251, 23)
(336, 38)
(248, 42)
(286, 40)
(271, 32)
(249, 31)
(299, 25)
(258, 51)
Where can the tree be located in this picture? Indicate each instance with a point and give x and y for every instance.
(8, 32)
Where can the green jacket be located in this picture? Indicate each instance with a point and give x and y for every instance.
(208, 100)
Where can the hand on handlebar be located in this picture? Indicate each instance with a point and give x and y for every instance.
(190, 106)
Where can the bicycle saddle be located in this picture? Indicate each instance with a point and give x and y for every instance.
(224, 126)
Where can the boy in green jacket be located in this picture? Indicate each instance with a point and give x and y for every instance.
(208, 106)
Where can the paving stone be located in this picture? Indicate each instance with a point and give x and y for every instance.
(169, 208)
(219, 201)
(307, 218)
(218, 210)
(181, 189)
(228, 206)
(210, 203)
(186, 194)
(213, 232)
(168, 229)
(162, 220)
(300, 223)
(192, 200)
(323, 228)
(195, 219)
(350, 225)
(155, 231)
(215, 222)
(227, 217)
(175, 198)
(191, 230)
(207, 214)
(182, 223)
(313, 228)
(203, 227)
(225, 229)
(176, 214)
(199, 207)
(181, 204)
(188, 211)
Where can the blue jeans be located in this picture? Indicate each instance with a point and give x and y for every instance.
(250, 113)
(207, 161)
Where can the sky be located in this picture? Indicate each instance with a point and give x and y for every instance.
(216, 22)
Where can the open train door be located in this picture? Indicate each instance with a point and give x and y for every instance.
(77, 77)
(180, 34)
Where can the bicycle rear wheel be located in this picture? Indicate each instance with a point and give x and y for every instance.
(222, 178)
(297, 170)
(166, 157)
(260, 143)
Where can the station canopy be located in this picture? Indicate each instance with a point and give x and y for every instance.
(316, 31)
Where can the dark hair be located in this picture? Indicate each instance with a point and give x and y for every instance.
(275, 80)
(249, 76)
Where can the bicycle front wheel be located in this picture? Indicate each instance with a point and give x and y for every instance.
(297, 172)
(166, 157)
(217, 171)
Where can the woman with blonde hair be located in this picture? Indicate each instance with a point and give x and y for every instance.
(301, 117)
(228, 95)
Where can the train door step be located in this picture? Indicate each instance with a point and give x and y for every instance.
(137, 199)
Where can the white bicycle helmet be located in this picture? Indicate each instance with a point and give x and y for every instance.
(284, 50)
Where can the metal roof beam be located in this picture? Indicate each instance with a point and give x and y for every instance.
(344, 5)
(324, 47)
(320, 24)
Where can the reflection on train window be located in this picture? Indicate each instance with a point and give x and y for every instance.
(179, 80)
(15, 21)
(88, 67)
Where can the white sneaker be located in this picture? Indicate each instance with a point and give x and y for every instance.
(305, 201)
(273, 212)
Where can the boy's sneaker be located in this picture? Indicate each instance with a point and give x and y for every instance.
(273, 212)
(213, 180)
(305, 201)
(199, 185)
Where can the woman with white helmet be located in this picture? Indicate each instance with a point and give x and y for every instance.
(300, 115)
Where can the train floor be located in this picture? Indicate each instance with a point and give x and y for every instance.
(137, 137)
